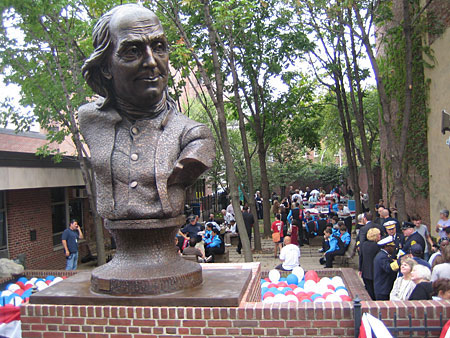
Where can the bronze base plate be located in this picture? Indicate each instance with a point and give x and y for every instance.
(220, 288)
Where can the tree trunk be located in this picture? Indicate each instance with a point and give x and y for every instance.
(219, 104)
(248, 165)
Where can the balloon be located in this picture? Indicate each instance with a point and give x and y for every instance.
(265, 284)
(268, 300)
(12, 287)
(51, 278)
(280, 298)
(293, 286)
(283, 284)
(274, 276)
(22, 280)
(346, 298)
(268, 294)
(292, 279)
(299, 272)
(292, 298)
(312, 275)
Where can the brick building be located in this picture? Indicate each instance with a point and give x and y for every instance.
(38, 197)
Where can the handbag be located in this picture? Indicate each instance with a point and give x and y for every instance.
(276, 237)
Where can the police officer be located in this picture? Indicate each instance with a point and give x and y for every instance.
(391, 230)
(411, 237)
(385, 269)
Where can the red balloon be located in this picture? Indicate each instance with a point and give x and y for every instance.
(272, 285)
(331, 287)
(327, 294)
(312, 275)
(293, 286)
(290, 293)
(48, 282)
(346, 298)
(28, 286)
(20, 284)
(267, 279)
(19, 292)
(268, 294)
(310, 293)
(282, 284)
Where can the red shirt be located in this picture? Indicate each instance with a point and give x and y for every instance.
(277, 226)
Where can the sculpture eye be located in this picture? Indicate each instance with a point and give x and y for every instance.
(132, 52)
(159, 48)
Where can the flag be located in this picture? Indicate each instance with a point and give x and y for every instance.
(445, 331)
(10, 322)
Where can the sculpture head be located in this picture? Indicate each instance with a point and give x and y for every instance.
(130, 58)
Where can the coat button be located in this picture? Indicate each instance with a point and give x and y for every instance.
(133, 184)
(134, 130)
(134, 157)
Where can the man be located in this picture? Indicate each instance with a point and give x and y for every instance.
(344, 214)
(297, 197)
(384, 216)
(443, 223)
(192, 229)
(411, 237)
(422, 229)
(385, 269)
(191, 250)
(289, 255)
(391, 229)
(416, 252)
(248, 222)
(338, 247)
(70, 239)
(368, 224)
(259, 205)
(144, 152)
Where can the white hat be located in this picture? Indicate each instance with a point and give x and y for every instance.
(385, 241)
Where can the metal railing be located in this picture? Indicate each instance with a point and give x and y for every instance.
(395, 330)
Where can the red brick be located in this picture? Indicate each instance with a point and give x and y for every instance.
(77, 321)
(144, 322)
(52, 320)
(117, 322)
(168, 322)
(194, 323)
(219, 323)
(271, 323)
(245, 323)
(96, 321)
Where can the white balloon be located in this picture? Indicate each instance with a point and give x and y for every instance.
(265, 284)
(268, 300)
(342, 292)
(298, 290)
(333, 298)
(279, 298)
(325, 280)
(291, 298)
(6, 293)
(13, 287)
(280, 288)
(58, 279)
(32, 280)
(319, 300)
(274, 275)
(299, 272)
(310, 285)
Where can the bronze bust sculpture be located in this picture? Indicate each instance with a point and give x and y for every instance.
(144, 154)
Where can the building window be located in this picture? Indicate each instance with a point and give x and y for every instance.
(3, 228)
(59, 214)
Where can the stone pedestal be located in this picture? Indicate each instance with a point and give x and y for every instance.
(146, 260)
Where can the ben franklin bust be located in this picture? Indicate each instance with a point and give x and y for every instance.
(144, 154)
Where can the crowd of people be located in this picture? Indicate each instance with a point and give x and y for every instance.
(295, 226)
(395, 260)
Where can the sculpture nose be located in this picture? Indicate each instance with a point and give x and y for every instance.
(149, 60)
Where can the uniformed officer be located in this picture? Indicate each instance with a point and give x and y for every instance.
(411, 237)
(391, 229)
(385, 269)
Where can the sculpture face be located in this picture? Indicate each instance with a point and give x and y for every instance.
(138, 64)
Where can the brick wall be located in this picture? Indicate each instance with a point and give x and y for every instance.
(251, 319)
(30, 209)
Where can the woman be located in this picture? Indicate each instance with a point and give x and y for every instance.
(421, 275)
(369, 250)
(442, 270)
(294, 221)
(277, 234)
(441, 288)
(275, 207)
(404, 286)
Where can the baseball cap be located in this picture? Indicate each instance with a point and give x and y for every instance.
(407, 225)
(416, 249)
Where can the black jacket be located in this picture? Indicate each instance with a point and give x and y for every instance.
(369, 250)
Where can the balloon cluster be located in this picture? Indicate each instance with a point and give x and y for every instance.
(20, 291)
(299, 287)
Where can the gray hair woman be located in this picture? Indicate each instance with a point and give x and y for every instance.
(404, 286)
(421, 276)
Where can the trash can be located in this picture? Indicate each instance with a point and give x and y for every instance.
(196, 209)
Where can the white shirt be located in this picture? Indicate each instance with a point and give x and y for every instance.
(344, 212)
(290, 255)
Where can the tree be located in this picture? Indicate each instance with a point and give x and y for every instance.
(47, 67)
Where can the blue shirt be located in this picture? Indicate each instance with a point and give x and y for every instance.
(71, 237)
(333, 242)
(345, 238)
(215, 243)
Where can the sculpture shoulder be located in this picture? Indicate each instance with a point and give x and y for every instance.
(191, 129)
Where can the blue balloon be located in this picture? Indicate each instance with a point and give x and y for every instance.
(301, 284)
(263, 281)
(264, 290)
(283, 279)
(50, 278)
(292, 279)
(27, 294)
(23, 280)
(341, 288)
(314, 296)
(286, 289)
(306, 301)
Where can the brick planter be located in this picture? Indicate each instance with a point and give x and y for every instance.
(252, 318)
